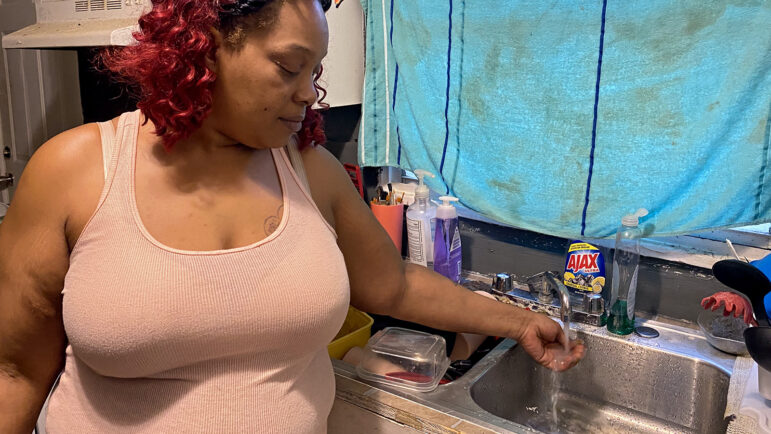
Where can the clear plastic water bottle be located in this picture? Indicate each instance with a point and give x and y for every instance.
(626, 264)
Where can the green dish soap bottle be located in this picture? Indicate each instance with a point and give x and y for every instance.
(626, 264)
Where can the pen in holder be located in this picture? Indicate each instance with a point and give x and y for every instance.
(391, 218)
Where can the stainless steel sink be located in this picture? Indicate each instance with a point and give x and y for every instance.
(674, 383)
(619, 387)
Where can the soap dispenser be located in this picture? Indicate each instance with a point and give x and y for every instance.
(421, 223)
(447, 251)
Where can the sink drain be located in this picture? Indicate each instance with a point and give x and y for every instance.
(646, 332)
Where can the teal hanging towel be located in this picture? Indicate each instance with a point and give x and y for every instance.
(561, 117)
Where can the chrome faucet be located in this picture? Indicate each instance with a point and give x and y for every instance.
(537, 294)
(564, 295)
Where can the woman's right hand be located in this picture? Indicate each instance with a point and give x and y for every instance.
(543, 339)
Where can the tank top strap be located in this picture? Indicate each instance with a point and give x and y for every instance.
(107, 135)
(284, 164)
(114, 149)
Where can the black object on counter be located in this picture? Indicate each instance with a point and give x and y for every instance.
(758, 340)
(459, 367)
(747, 279)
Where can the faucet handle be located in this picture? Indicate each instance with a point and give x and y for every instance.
(543, 282)
(593, 304)
(502, 282)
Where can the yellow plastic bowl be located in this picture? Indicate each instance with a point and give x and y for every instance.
(355, 332)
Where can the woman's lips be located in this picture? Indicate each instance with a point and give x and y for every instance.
(292, 124)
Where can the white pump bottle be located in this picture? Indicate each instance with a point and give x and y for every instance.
(421, 221)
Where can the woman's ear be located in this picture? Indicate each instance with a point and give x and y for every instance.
(211, 58)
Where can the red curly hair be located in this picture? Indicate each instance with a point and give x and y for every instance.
(167, 65)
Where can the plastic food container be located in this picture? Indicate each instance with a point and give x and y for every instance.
(404, 358)
(723, 332)
(354, 333)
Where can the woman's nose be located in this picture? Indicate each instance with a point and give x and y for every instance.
(307, 93)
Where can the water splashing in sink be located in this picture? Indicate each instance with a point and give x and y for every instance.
(555, 391)
(546, 417)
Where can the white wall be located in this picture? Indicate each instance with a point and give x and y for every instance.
(344, 66)
(39, 92)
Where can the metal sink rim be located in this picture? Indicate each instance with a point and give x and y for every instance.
(455, 398)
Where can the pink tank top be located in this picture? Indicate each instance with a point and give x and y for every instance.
(166, 340)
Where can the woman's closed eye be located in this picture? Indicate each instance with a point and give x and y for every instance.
(286, 70)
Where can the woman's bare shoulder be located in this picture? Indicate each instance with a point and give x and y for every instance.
(65, 157)
(73, 144)
(71, 153)
(66, 173)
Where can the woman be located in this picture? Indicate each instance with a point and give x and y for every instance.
(190, 283)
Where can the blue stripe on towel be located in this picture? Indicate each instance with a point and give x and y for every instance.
(761, 180)
(447, 96)
(594, 120)
(396, 85)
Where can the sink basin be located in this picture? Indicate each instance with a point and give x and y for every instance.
(620, 386)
